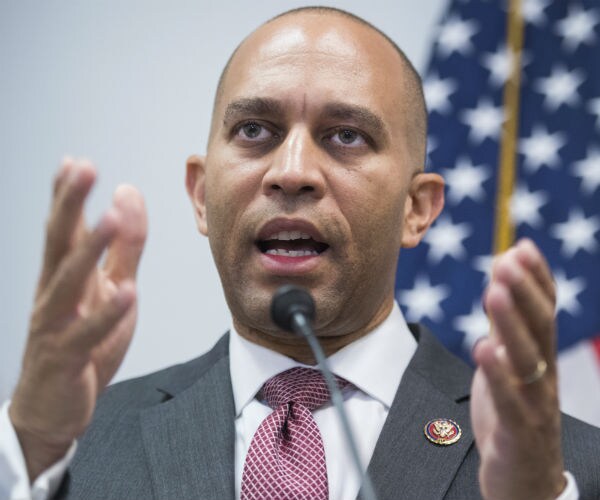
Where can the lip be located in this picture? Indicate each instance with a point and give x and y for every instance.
(276, 225)
(283, 265)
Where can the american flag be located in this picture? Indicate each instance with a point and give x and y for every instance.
(555, 197)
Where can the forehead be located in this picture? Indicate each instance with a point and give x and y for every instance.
(315, 58)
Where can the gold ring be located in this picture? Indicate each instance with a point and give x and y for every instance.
(538, 373)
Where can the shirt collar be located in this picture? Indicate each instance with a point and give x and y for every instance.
(374, 363)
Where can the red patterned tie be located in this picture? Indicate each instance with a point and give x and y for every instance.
(286, 460)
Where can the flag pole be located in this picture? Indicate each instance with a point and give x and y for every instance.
(504, 228)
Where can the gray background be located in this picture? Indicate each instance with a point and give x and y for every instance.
(130, 85)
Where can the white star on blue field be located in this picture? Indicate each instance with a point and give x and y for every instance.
(556, 199)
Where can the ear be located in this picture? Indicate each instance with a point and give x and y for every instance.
(424, 203)
(195, 184)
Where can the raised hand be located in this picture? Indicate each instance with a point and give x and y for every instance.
(514, 405)
(83, 316)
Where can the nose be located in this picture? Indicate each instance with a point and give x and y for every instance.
(295, 169)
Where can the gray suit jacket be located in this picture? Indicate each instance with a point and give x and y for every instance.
(170, 436)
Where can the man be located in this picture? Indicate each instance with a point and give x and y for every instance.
(313, 176)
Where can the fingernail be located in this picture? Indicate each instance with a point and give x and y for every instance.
(529, 251)
(107, 219)
(121, 297)
(63, 170)
(73, 175)
(124, 294)
(515, 272)
(500, 352)
(509, 268)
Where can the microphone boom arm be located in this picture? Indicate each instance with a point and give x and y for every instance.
(293, 309)
(302, 327)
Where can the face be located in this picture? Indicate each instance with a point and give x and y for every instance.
(308, 177)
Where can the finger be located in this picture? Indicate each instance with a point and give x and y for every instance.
(489, 356)
(512, 332)
(533, 260)
(532, 303)
(66, 287)
(111, 350)
(125, 251)
(63, 172)
(71, 188)
(90, 331)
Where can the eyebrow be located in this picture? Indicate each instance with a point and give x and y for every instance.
(359, 114)
(265, 106)
(255, 106)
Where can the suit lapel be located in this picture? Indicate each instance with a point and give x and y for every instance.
(189, 439)
(405, 464)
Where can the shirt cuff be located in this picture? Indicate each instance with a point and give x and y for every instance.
(14, 479)
(571, 492)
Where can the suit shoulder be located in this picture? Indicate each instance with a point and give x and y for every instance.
(580, 445)
(441, 367)
(158, 386)
(579, 437)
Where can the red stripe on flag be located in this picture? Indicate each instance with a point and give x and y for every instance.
(596, 345)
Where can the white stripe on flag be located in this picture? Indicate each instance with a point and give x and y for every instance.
(579, 382)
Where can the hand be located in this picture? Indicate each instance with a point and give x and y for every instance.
(83, 316)
(514, 402)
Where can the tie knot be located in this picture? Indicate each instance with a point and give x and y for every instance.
(298, 385)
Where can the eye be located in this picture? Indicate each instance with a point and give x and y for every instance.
(348, 137)
(253, 131)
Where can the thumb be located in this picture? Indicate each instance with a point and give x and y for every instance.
(126, 249)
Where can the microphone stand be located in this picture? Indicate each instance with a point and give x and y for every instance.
(298, 310)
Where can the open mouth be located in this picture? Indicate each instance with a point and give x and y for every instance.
(291, 244)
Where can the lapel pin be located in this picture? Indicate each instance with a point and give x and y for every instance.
(442, 431)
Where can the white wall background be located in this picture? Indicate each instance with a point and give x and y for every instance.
(130, 84)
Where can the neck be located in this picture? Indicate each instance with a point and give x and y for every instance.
(298, 349)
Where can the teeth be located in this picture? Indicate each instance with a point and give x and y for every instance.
(291, 253)
(289, 235)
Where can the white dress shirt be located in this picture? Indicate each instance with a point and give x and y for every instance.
(376, 376)
(14, 479)
(390, 347)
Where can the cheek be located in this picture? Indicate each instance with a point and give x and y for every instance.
(374, 208)
(230, 188)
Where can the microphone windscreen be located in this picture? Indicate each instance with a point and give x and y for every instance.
(289, 300)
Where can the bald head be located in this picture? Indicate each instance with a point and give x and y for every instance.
(411, 103)
(318, 127)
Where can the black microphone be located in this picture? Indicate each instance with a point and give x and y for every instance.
(293, 310)
(288, 301)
